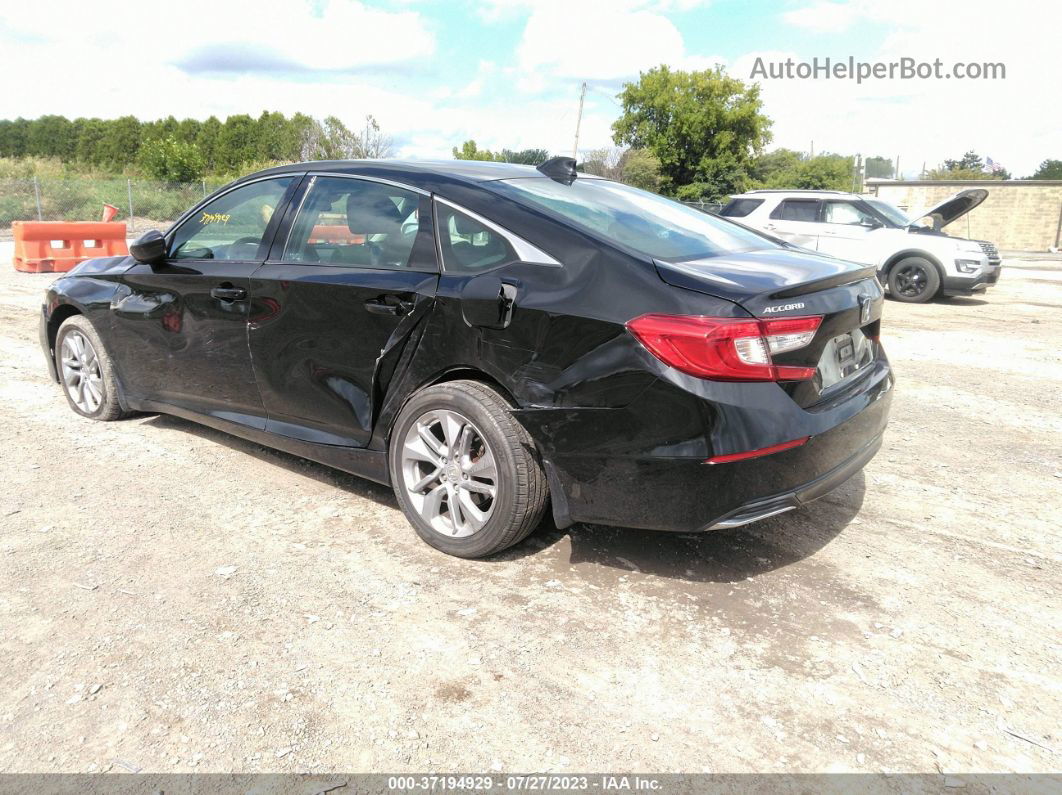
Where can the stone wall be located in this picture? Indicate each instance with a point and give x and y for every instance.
(1018, 215)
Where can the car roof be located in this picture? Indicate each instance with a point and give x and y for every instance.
(797, 192)
(415, 170)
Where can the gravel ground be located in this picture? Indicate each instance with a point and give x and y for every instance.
(173, 599)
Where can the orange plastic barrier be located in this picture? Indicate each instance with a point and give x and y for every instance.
(339, 235)
(56, 247)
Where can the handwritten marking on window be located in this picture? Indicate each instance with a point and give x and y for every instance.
(214, 218)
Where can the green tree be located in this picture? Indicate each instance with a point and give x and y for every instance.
(1049, 169)
(236, 143)
(766, 168)
(704, 127)
(969, 167)
(120, 143)
(89, 141)
(637, 167)
(469, 151)
(188, 130)
(528, 157)
(207, 141)
(272, 136)
(879, 167)
(641, 169)
(13, 137)
(171, 160)
(52, 136)
(784, 168)
(971, 161)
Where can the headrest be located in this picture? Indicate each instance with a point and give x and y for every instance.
(465, 226)
(370, 213)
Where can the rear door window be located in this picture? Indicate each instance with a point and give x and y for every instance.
(797, 210)
(739, 208)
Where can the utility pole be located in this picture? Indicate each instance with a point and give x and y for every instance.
(578, 122)
(811, 154)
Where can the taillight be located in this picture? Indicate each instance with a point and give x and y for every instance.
(727, 349)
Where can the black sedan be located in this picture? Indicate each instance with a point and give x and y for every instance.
(491, 339)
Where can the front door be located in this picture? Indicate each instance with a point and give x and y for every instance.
(182, 324)
(845, 228)
(336, 303)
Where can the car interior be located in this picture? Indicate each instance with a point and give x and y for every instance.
(347, 222)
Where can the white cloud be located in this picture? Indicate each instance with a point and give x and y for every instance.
(824, 17)
(339, 36)
(1013, 120)
(616, 42)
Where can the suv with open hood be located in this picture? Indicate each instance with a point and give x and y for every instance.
(915, 260)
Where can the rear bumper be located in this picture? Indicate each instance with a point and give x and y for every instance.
(802, 495)
(654, 473)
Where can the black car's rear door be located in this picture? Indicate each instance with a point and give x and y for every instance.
(181, 325)
(351, 274)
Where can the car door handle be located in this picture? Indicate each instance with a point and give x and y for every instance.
(768, 226)
(228, 293)
(389, 305)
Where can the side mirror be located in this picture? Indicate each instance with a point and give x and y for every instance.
(871, 224)
(149, 248)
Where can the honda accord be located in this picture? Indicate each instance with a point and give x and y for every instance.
(491, 340)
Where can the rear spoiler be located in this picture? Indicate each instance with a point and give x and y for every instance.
(869, 272)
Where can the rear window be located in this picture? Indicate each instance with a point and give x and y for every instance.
(797, 210)
(636, 219)
(739, 208)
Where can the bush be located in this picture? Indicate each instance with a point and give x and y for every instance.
(170, 160)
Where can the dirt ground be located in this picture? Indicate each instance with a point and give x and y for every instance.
(172, 599)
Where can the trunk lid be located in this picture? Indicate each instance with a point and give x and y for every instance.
(780, 283)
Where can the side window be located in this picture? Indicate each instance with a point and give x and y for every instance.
(797, 210)
(232, 226)
(468, 245)
(739, 208)
(846, 213)
(350, 222)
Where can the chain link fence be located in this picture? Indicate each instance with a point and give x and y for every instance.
(142, 204)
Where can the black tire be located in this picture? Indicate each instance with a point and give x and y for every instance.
(914, 280)
(108, 408)
(521, 489)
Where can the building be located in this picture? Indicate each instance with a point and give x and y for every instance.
(1018, 215)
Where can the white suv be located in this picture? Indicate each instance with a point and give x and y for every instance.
(916, 262)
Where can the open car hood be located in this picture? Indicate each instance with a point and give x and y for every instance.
(952, 208)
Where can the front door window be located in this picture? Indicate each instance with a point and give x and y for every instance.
(232, 226)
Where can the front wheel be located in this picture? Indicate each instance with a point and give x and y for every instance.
(86, 371)
(465, 472)
(914, 280)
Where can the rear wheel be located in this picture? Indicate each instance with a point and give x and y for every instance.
(914, 280)
(465, 472)
(86, 371)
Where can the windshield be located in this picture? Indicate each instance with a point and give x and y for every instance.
(643, 221)
(894, 214)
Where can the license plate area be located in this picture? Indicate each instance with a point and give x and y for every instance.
(843, 357)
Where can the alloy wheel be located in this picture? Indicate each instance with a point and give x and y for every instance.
(912, 280)
(82, 376)
(449, 473)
